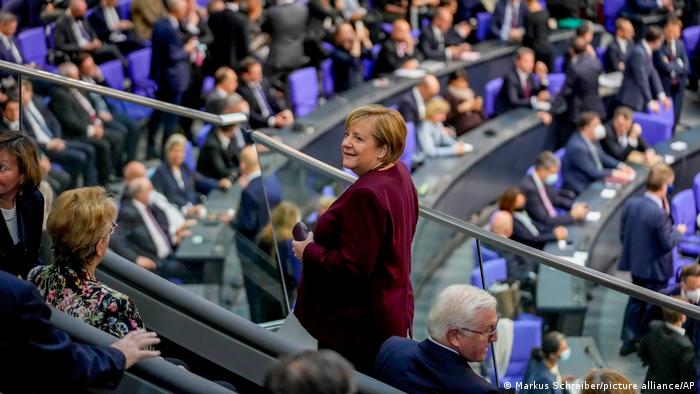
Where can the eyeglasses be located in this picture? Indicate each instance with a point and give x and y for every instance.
(113, 228)
(490, 334)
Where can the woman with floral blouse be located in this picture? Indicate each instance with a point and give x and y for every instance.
(80, 225)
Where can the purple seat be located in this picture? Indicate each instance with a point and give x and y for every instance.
(611, 10)
(113, 72)
(124, 9)
(482, 25)
(486, 253)
(303, 90)
(556, 82)
(410, 148)
(559, 153)
(527, 335)
(492, 89)
(49, 31)
(691, 36)
(679, 262)
(683, 210)
(388, 28)
(696, 191)
(202, 134)
(600, 52)
(368, 64)
(189, 156)
(559, 64)
(665, 114)
(207, 85)
(494, 271)
(139, 70)
(32, 45)
(327, 46)
(654, 128)
(327, 78)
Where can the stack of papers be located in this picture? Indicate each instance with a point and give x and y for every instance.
(679, 146)
(592, 216)
(414, 73)
(579, 258)
(608, 193)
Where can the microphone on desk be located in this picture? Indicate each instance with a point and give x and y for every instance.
(589, 353)
(300, 232)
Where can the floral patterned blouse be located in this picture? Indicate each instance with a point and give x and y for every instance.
(86, 299)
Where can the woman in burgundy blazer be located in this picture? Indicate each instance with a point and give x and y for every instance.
(355, 290)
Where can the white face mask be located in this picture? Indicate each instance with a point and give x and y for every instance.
(14, 126)
(151, 198)
(693, 296)
(565, 354)
(599, 132)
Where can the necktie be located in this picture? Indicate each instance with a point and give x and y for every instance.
(527, 89)
(596, 159)
(85, 104)
(13, 49)
(514, 15)
(38, 124)
(83, 31)
(545, 199)
(265, 109)
(165, 241)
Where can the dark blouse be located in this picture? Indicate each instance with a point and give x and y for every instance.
(20, 258)
(355, 290)
(537, 36)
(86, 299)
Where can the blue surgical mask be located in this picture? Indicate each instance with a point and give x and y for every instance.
(565, 354)
(669, 189)
(551, 179)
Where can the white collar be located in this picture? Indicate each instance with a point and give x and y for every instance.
(646, 47)
(655, 199)
(232, 6)
(254, 175)
(174, 22)
(443, 346)
(677, 329)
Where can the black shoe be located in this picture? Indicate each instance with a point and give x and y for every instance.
(628, 348)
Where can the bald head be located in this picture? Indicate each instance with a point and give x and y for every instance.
(133, 170)
(401, 31)
(77, 8)
(429, 87)
(249, 160)
(502, 224)
(442, 19)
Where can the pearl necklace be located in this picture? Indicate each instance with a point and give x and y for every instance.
(9, 214)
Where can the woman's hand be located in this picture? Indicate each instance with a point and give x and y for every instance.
(299, 246)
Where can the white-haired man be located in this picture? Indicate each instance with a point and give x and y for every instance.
(461, 324)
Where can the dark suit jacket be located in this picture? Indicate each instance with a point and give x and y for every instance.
(647, 238)
(425, 367)
(499, 16)
(252, 214)
(133, 239)
(195, 185)
(538, 374)
(409, 108)
(65, 40)
(99, 24)
(614, 55)
(73, 119)
(256, 119)
(580, 91)
(170, 64)
(512, 94)
(287, 27)
(348, 71)
(27, 11)
(535, 207)
(612, 147)
(641, 82)
(20, 258)
(214, 161)
(669, 356)
(671, 71)
(6, 52)
(231, 41)
(523, 235)
(28, 335)
(51, 122)
(388, 60)
(431, 47)
(579, 169)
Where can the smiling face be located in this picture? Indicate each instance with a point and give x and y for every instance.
(10, 177)
(360, 151)
(176, 155)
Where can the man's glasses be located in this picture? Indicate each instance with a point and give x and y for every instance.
(489, 333)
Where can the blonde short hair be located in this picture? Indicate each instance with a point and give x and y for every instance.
(78, 220)
(389, 128)
(436, 105)
(607, 381)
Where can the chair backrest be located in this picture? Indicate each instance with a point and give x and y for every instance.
(666, 115)
(327, 46)
(113, 72)
(207, 85)
(491, 91)
(483, 19)
(691, 36)
(48, 32)
(600, 52)
(486, 253)
(683, 209)
(556, 82)
(527, 335)
(494, 270)
(139, 71)
(611, 10)
(189, 156)
(124, 9)
(559, 153)
(327, 78)
(696, 191)
(32, 45)
(558, 66)
(410, 147)
(654, 128)
(202, 134)
(303, 90)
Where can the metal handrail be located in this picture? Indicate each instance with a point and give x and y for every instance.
(503, 243)
(218, 120)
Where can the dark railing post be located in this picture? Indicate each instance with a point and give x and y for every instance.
(483, 285)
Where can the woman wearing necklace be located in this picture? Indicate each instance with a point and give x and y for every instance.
(355, 290)
(21, 204)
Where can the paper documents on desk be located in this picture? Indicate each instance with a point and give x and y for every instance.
(668, 159)
(468, 147)
(470, 56)
(292, 329)
(679, 146)
(432, 66)
(592, 216)
(608, 193)
(579, 258)
(414, 73)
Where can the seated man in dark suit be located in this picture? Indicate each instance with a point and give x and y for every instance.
(519, 89)
(218, 158)
(29, 336)
(519, 268)
(641, 83)
(225, 83)
(143, 235)
(265, 109)
(542, 200)
(399, 51)
(440, 41)
(619, 49)
(668, 352)
(412, 104)
(9, 51)
(526, 230)
(648, 239)
(672, 64)
(623, 139)
(347, 54)
(74, 35)
(585, 161)
(461, 324)
(508, 20)
(109, 28)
